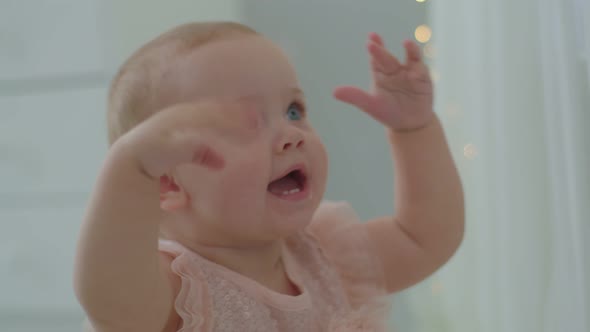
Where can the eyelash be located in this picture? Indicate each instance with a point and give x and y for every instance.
(299, 105)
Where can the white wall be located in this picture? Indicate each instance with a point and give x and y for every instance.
(128, 24)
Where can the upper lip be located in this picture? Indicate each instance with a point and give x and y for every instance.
(297, 167)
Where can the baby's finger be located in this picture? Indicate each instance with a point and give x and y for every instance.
(376, 38)
(243, 119)
(234, 120)
(412, 52)
(384, 61)
(354, 96)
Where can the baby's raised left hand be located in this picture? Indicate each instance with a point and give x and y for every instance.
(401, 97)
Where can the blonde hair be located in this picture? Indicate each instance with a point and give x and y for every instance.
(133, 91)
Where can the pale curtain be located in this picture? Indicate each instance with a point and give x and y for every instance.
(512, 90)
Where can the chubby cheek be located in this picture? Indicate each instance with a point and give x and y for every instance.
(241, 193)
(319, 157)
(200, 185)
(242, 187)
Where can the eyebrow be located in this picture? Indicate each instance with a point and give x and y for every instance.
(294, 90)
(297, 91)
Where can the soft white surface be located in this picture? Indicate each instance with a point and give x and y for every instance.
(514, 84)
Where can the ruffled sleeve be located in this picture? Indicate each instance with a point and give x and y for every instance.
(192, 303)
(346, 244)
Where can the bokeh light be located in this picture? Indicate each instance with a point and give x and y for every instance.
(423, 33)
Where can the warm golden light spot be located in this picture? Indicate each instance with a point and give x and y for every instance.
(423, 33)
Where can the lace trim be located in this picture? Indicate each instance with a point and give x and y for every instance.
(192, 303)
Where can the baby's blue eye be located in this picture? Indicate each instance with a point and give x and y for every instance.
(295, 113)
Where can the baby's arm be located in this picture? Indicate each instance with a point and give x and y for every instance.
(428, 226)
(121, 280)
(118, 278)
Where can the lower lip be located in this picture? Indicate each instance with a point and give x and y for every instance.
(302, 194)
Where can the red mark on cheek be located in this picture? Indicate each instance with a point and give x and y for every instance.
(253, 118)
(252, 113)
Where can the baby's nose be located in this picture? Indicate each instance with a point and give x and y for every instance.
(293, 139)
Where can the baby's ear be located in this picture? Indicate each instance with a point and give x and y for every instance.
(172, 196)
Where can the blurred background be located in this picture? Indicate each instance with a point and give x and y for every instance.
(512, 89)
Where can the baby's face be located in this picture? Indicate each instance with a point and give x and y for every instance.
(273, 182)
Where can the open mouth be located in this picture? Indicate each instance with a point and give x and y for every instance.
(291, 185)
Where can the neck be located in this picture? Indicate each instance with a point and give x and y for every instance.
(262, 262)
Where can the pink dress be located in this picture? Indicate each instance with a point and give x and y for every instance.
(337, 270)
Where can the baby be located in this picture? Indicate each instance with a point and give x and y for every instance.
(208, 216)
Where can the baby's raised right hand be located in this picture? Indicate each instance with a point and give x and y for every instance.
(192, 133)
(122, 224)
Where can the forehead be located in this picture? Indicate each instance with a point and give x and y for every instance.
(235, 68)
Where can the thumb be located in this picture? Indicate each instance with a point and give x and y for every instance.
(354, 96)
